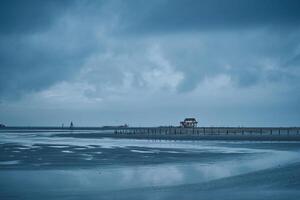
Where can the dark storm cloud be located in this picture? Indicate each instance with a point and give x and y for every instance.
(170, 15)
(26, 67)
(20, 61)
(36, 49)
(279, 19)
(18, 17)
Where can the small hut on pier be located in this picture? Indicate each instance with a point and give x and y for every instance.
(189, 123)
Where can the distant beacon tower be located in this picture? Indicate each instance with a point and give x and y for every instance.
(71, 125)
(189, 123)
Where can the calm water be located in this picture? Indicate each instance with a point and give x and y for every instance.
(39, 165)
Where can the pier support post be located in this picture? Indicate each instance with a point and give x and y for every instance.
(261, 131)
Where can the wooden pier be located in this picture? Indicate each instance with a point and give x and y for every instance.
(232, 133)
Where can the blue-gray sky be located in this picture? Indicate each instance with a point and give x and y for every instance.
(227, 63)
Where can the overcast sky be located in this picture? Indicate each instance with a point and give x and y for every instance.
(146, 63)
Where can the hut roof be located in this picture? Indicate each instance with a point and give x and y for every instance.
(189, 119)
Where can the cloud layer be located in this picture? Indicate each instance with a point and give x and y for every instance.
(150, 62)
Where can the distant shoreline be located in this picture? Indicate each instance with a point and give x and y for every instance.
(181, 137)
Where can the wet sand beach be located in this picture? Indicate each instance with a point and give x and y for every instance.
(60, 165)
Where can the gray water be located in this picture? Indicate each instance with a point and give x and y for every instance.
(38, 164)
